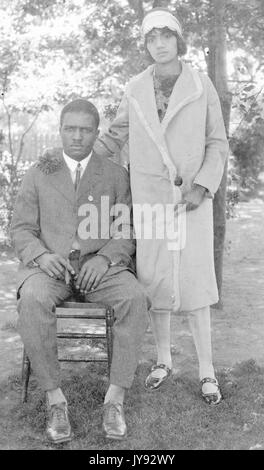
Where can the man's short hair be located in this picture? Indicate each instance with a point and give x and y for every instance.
(80, 105)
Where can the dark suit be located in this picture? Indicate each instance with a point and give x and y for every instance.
(47, 216)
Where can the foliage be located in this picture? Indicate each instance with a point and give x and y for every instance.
(10, 180)
(249, 153)
(90, 48)
(233, 188)
(247, 143)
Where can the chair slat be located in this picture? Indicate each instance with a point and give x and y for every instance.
(68, 335)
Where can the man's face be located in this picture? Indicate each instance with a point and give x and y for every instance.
(78, 134)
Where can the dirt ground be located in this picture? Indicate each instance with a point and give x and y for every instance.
(238, 330)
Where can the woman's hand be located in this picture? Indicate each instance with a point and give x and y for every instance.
(194, 197)
(101, 149)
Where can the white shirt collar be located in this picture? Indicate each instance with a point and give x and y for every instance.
(72, 164)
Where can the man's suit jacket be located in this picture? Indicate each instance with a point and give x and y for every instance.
(48, 211)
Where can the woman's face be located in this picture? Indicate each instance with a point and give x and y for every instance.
(162, 45)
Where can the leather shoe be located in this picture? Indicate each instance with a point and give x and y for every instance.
(58, 426)
(114, 425)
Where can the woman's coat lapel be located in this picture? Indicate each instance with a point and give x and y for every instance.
(187, 89)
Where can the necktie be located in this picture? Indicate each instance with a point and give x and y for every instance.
(77, 176)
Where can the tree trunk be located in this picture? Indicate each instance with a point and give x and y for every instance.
(137, 6)
(161, 3)
(217, 71)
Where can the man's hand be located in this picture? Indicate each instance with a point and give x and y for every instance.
(54, 265)
(91, 273)
(194, 197)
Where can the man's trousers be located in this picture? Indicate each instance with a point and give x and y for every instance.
(37, 324)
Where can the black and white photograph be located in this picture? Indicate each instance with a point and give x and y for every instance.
(131, 227)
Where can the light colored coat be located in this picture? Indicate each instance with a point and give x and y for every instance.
(191, 143)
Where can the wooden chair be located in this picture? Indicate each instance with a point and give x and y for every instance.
(76, 310)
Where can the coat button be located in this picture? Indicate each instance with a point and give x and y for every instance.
(90, 198)
(178, 181)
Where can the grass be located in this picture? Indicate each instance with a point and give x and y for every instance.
(171, 418)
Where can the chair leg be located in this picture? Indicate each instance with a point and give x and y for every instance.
(109, 335)
(25, 376)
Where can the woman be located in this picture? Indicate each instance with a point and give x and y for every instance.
(177, 153)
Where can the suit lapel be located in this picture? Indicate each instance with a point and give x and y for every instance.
(61, 180)
(91, 178)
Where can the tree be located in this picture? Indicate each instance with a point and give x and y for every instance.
(217, 71)
(16, 99)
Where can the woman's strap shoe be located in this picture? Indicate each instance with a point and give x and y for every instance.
(152, 382)
(211, 398)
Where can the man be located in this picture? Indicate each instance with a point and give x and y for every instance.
(50, 222)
